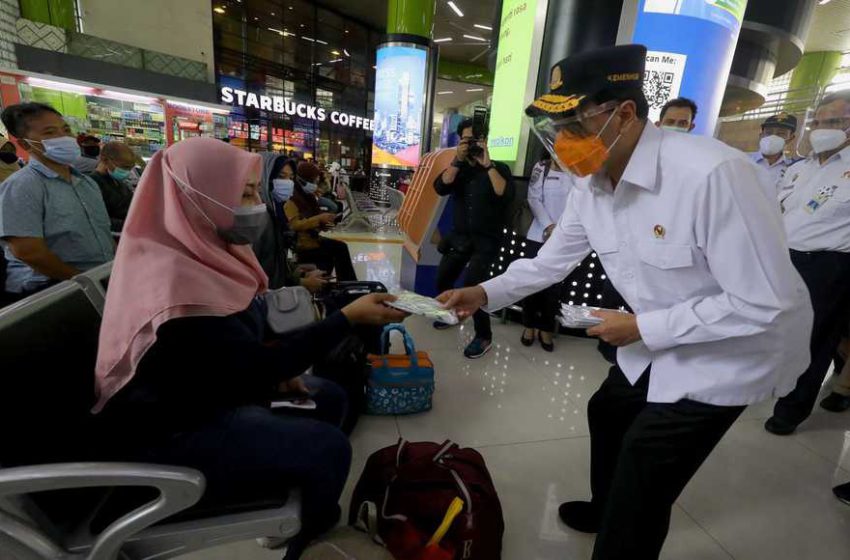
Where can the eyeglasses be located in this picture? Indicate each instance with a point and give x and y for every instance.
(575, 125)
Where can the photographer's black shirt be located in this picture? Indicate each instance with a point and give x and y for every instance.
(478, 210)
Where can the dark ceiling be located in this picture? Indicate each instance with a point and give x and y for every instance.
(446, 24)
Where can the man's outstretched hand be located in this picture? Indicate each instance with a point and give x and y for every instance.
(465, 301)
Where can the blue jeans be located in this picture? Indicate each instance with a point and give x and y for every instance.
(252, 453)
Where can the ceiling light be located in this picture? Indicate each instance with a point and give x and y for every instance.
(61, 86)
(278, 31)
(335, 52)
(128, 97)
(824, 2)
(291, 8)
(454, 7)
(444, 92)
(219, 9)
(321, 42)
(256, 18)
(334, 61)
(272, 13)
(308, 38)
(476, 38)
(346, 30)
(443, 40)
(288, 34)
(475, 89)
(479, 26)
(346, 52)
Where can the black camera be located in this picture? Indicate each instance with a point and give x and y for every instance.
(474, 149)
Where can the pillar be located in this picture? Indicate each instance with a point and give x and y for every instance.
(815, 71)
(411, 17)
(691, 46)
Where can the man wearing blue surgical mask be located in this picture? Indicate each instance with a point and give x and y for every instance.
(53, 223)
(114, 166)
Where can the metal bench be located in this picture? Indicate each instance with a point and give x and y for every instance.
(51, 495)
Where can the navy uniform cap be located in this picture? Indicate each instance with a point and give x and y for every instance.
(586, 74)
(782, 119)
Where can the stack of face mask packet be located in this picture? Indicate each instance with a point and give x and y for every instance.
(579, 317)
(425, 306)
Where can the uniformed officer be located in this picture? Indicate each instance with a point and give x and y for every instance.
(778, 133)
(817, 219)
(720, 317)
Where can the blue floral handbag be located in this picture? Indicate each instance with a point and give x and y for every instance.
(399, 383)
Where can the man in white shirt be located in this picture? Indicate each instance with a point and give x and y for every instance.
(817, 220)
(721, 316)
(778, 134)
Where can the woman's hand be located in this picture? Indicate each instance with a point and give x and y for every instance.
(327, 218)
(295, 385)
(371, 310)
(315, 281)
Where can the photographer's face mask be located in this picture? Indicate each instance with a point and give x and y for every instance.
(249, 222)
(573, 148)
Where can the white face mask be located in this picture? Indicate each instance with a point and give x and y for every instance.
(827, 139)
(771, 145)
(310, 188)
(283, 189)
(63, 150)
(676, 129)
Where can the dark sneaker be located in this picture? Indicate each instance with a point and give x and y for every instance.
(779, 427)
(477, 348)
(441, 326)
(581, 516)
(843, 493)
(835, 403)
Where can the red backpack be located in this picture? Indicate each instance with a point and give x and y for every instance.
(412, 486)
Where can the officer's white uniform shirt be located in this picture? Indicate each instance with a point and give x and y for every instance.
(817, 208)
(699, 253)
(775, 171)
(547, 197)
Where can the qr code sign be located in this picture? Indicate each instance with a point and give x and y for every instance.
(663, 79)
(658, 87)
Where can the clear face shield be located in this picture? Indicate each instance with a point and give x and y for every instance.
(825, 129)
(573, 147)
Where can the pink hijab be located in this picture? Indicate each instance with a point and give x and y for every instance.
(171, 262)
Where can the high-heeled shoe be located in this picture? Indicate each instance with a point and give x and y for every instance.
(526, 341)
(547, 346)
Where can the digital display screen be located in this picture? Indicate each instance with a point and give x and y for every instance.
(399, 105)
(513, 59)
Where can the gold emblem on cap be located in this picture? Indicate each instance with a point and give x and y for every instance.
(555, 80)
(659, 231)
(624, 77)
(557, 103)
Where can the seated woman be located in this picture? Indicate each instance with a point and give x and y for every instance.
(306, 218)
(186, 368)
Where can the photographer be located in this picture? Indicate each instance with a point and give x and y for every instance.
(481, 192)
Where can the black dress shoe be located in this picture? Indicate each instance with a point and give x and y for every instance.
(526, 341)
(549, 347)
(581, 516)
(843, 492)
(779, 427)
(835, 403)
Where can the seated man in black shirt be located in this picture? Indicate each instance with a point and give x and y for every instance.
(481, 192)
(113, 167)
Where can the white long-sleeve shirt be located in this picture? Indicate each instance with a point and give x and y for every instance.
(547, 197)
(700, 255)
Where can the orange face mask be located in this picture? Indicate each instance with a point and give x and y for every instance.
(582, 156)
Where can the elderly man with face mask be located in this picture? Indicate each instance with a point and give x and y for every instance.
(817, 220)
(721, 318)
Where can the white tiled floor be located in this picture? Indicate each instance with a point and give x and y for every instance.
(758, 497)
